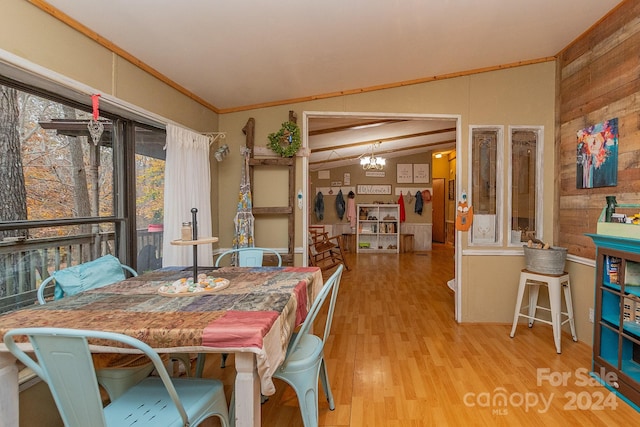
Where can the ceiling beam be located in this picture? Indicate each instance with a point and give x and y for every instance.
(396, 152)
(359, 126)
(393, 138)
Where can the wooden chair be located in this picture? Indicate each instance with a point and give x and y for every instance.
(326, 252)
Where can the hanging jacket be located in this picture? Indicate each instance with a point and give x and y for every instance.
(340, 205)
(419, 203)
(319, 206)
(403, 215)
(351, 212)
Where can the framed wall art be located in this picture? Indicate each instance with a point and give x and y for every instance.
(420, 173)
(404, 173)
(324, 174)
(597, 155)
(374, 189)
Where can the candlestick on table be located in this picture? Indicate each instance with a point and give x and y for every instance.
(194, 230)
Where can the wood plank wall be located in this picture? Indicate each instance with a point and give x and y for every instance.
(598, 78)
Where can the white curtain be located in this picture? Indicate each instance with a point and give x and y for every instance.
(187, 185)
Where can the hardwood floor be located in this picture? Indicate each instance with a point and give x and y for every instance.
(396, 357)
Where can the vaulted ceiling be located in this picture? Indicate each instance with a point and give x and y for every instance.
(236, 55)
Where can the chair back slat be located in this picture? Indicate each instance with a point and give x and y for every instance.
(71, 377)
(249, 257)
(330, 287)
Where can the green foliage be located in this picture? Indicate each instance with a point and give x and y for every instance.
(149, 190)
(51, 174)
(59, 181)
(285, 142)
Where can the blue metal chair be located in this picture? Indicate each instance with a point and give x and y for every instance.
(304, 361)
(64, 362)
(95, 274)
(249, 257)
(245, 257)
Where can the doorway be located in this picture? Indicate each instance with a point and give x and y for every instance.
(438, 216)
(454, 121)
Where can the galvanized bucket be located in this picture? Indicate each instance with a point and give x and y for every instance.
(545, 261)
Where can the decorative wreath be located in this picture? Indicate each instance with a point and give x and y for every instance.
(285, 142)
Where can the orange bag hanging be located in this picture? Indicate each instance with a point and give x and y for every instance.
(464, 217)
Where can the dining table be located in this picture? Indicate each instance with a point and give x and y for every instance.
(253, 317)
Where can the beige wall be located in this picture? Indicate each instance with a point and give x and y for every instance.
(515, 96)
(29, 33)
(34, 35)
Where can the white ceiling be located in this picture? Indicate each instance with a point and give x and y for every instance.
(235, 54)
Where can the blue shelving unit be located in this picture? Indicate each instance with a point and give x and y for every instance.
(616, 346)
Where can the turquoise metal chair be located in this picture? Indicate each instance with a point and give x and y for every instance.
(249, 257)
(64, 362)
(246, 257)
(304, 362)
(95, 274)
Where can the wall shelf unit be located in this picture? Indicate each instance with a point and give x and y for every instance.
(616, 338)
(378, 228)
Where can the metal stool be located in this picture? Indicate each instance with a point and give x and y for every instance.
(554, 283)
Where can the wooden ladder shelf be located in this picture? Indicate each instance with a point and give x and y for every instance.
(275, 211)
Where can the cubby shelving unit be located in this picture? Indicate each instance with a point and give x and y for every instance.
(378, 228)
(616, 343)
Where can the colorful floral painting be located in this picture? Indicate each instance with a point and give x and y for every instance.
(597, 155)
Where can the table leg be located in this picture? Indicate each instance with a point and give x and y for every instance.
(247, 391)
(8, 390)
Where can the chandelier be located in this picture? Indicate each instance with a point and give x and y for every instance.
(372, 162)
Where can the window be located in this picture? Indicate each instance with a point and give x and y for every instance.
(65, 197)
(149, 160)
(525, 182)
(486, 186)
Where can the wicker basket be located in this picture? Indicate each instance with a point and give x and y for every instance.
(545, 261)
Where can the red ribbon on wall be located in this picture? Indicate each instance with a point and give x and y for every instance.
(95, 100)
